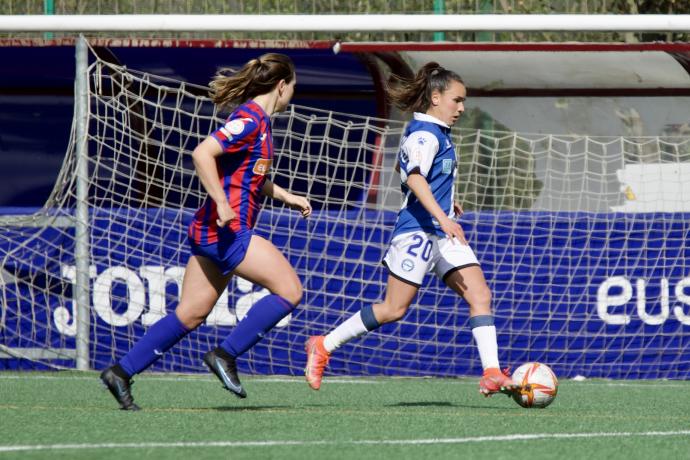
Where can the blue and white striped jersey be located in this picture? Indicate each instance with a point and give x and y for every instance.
(426, 148)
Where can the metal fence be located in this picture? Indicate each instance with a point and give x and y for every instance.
(340, 6)
(310, 6)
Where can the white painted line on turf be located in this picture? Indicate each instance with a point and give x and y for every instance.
(639, 385)
(148, 445)
(529, 437)
(475, 439)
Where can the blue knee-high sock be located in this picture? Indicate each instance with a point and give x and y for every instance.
(260, 319)
(160, 337)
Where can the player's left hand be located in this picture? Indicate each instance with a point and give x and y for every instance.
(457, 209)
(453, 230)
(299, 203)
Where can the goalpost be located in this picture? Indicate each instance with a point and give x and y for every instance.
(85, 290)
(349, 22)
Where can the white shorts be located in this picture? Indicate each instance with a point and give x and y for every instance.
(412, 255)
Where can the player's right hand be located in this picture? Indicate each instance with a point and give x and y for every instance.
(225, 215)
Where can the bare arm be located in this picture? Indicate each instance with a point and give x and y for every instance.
(420, 187)
(204, 157)
(292, 201)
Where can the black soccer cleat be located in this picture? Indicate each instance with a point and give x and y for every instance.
(225, 368)
(120, 387)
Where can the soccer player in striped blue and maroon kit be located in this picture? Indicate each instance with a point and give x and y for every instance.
(232, 164)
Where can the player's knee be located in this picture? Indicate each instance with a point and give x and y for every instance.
(293, 293)
(485, 295)
(480, 301)
(189, 317)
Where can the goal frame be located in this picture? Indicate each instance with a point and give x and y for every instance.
(348, 23)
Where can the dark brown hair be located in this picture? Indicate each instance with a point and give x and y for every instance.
(256, 77)
(414, 94)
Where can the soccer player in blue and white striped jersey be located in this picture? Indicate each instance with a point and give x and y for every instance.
(427, 237)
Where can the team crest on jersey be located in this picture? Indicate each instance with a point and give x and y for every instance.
(447, 165)
(235, 127)
(407, 265)
(262, 166)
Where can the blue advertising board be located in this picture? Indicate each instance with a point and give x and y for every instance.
(593, 294)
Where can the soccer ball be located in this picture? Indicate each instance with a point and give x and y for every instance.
(539, 385)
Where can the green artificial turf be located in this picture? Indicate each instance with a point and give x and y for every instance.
(69, 415)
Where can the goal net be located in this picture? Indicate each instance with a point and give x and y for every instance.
(582, 240)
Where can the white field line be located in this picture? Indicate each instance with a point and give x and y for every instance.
(465, 440)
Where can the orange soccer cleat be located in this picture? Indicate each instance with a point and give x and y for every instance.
(317, 359)
(494, 381)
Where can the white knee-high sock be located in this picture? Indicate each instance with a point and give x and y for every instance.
(351, 328)
(485, 336)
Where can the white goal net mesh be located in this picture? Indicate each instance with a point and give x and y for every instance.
(582, 240)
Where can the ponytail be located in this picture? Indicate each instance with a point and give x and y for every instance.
(256, 77)
(414, 94)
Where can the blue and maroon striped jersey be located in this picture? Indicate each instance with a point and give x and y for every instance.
(248, 146)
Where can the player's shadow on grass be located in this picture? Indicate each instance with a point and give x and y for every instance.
(249, 408)
(422, 404)
(440, 404)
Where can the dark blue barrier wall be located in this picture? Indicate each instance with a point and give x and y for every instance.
(36, 98)
(601, 295)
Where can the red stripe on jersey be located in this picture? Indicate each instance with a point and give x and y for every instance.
(212, 232)
(192, 230)
(259, 179)
(235, 193)
(197, 231)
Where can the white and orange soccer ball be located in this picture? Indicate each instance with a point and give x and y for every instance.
(539, 385)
